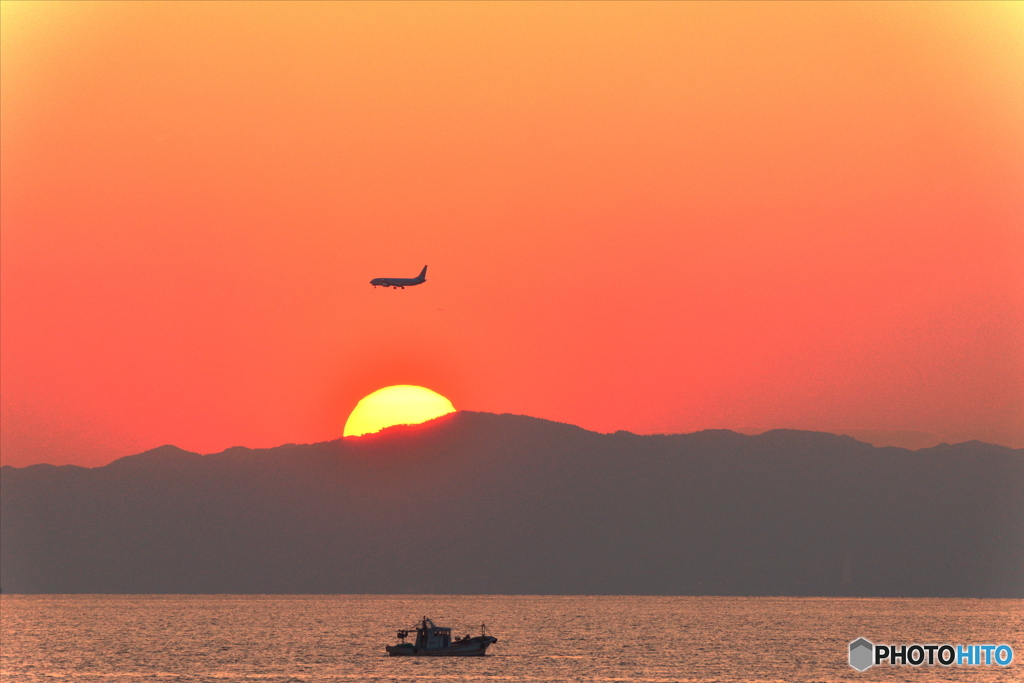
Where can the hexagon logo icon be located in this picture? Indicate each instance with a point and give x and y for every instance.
(861, 651)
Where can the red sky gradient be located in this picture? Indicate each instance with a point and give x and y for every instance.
(652, 217)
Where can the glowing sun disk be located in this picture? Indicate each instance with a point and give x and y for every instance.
(402, 404)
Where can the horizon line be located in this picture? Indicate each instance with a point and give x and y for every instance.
(752, 432)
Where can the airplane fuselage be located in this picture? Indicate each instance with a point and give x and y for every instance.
(400, 282)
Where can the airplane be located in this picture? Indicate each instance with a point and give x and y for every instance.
(401, 282)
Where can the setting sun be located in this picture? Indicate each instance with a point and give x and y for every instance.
(402, 404)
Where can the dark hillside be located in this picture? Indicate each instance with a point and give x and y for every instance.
(482, 503)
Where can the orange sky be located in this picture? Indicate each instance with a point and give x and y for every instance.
(652, 217)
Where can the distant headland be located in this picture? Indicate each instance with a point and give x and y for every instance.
(504, 504)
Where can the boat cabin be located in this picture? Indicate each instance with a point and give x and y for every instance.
(429, 636)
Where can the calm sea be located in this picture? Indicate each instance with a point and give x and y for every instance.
(276, 638)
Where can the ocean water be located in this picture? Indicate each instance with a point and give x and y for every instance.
(278, 638)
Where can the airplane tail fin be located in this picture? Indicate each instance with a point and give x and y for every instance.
(423, 274)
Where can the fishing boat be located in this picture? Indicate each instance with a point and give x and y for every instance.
(436, 641)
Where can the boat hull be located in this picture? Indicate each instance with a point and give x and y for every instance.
(474, 647)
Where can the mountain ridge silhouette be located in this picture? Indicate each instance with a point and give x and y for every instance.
(505, 504)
